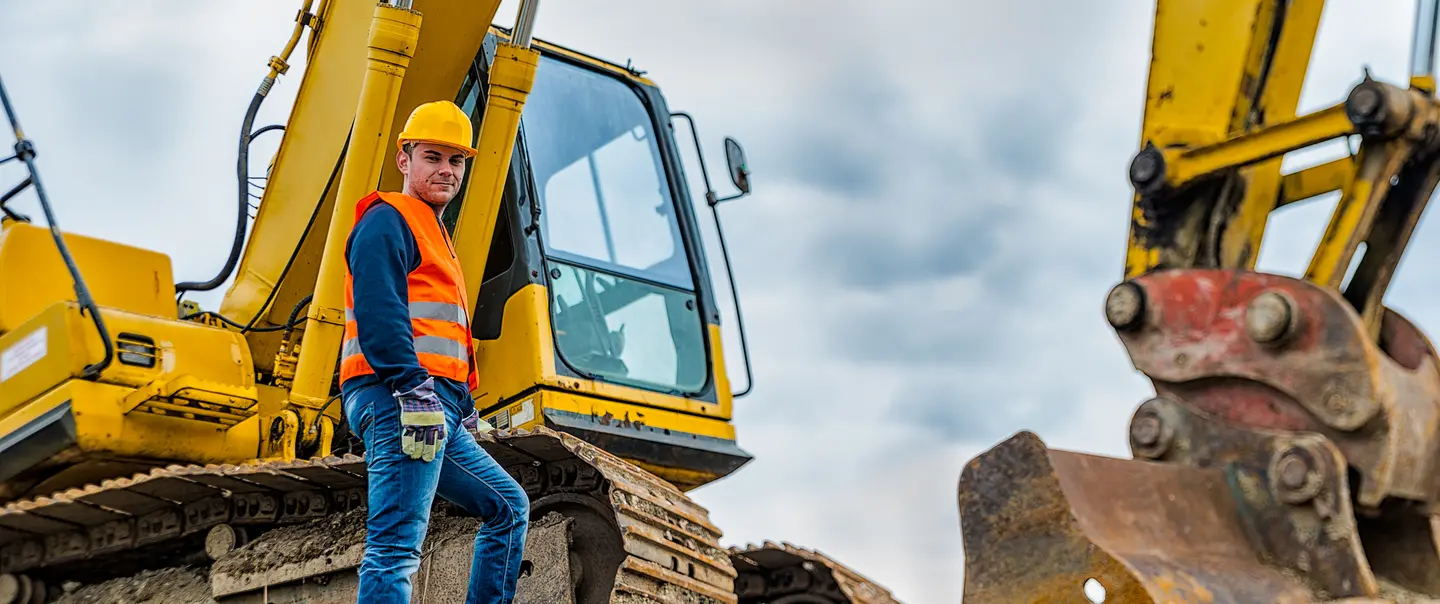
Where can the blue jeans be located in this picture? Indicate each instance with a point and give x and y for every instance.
(402, 489)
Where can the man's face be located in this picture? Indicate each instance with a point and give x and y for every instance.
(432, 172)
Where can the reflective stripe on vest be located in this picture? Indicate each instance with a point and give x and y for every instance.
(437, 303)
(439, 311)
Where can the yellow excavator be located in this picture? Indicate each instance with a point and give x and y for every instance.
(1290, 453)
(141, 432)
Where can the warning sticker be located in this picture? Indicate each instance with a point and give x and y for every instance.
(501, 420)
(23, 354)
(526, 413)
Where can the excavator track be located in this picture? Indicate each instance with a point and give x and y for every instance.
(782, 573)
(103, 524)
(671, 551)
(633, 536)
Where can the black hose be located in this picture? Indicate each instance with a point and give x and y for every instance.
(257, 133)
(242, 171)
(25, 150)
(226, 320)
(334, 173)
(295, 314)
(289, 325)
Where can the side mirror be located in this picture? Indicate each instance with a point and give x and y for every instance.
(739, 170)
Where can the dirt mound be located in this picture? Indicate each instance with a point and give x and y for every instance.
(319, 539)
(1400, 595)
(333, 537)
(181, 585)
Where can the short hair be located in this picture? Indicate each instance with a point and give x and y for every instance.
(408, 148)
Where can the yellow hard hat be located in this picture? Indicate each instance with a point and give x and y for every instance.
(441, 123)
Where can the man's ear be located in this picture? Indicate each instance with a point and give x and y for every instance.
(402, 161)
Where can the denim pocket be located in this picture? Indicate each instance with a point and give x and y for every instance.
(359, 413)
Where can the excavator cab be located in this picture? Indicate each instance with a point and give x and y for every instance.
(597, 242)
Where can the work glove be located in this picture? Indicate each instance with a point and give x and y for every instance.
(422, 418)
(475, 425)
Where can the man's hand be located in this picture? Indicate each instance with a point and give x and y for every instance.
(423, 419)
(475, 425)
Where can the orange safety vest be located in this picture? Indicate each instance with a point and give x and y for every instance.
(439, 311)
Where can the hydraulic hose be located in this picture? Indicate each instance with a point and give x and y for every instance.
(25, 151)
(242, 172)
(278, 66)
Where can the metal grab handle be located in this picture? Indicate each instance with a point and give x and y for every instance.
(712, 201)
(25, 151)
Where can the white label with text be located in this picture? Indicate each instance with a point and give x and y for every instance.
(23, 354)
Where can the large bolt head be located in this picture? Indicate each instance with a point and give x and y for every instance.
(1125, 306)
(1292, 472)
(1150, 437)
(1144, 168)
(1147, 170)
(1270, 317)
(1336, 402)
(1146, 431)
(1296, 474)
(1365, 102)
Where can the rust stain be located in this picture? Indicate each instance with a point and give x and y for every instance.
(1037, 523)
(1379, 403)
(1180, 586)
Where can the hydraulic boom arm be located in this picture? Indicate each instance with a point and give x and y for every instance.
(1291, 451)
(296, 253)
(282, 260)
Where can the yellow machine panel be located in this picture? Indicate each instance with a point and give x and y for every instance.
(157, 357)
(33, 276)
(94, 421)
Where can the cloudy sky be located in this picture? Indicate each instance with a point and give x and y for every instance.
(907, 156)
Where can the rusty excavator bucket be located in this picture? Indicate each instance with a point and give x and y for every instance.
(1290, 469)
(1290, 453)
(1040, 523)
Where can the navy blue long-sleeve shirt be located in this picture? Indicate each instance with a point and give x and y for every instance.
(381, 252)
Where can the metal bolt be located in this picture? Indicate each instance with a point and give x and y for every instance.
(1292, 472)
(1270, 317)
(1146, 430)
(1150, 437)
(1365, 102)
(1125, 305)
(1143, 168)
(1147, 170)
(1336, 402)
(1295, 474)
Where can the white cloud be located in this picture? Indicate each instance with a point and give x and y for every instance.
(882, 365)
(135, 109)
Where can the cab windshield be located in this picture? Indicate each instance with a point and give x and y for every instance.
(622, 294)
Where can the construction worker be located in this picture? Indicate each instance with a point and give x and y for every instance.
(407, 372)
